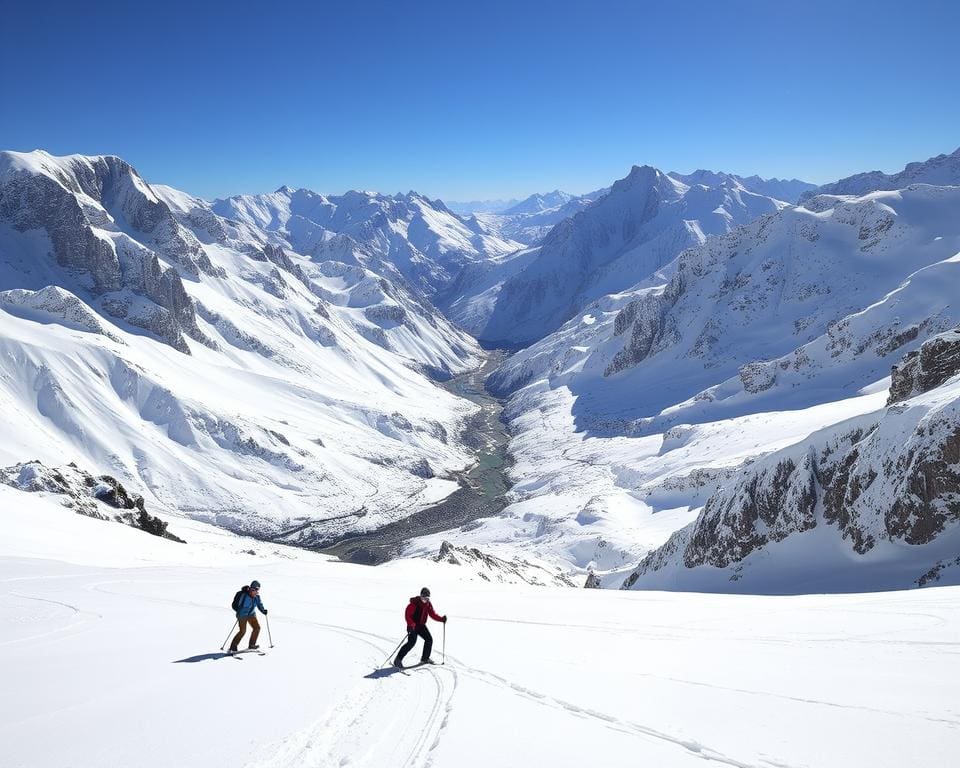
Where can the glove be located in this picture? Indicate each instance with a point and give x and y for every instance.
(444, 619)
(264, 611)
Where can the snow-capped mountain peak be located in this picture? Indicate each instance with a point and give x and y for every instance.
(309, 376)
(616, 242)
(942, 170)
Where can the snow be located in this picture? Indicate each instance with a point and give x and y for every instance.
(628, 418)
(112, 643)
(622, 237)
(263, 364)
(304, 395)
(424, 241)
(942, 170)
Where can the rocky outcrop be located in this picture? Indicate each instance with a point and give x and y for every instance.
(103, 497)
(892, 476)
(496, 569)
(88, 207)
(937, 360)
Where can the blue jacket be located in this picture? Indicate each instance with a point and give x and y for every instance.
(248, 606)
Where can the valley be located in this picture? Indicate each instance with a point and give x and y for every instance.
(668, 332)
(480, 385)
(482, 486)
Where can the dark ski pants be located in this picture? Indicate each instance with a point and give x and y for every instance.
(252, 621)
(412, 641)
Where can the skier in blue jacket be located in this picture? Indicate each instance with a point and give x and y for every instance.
(246, 614)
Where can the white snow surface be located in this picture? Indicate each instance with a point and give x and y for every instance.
(623, 237)
(112, 641)
(942, 170)
(427, 243)
(639, 408)
(221, 376)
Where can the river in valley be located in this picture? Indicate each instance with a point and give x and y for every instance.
(481, 487)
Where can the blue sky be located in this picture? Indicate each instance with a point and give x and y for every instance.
(469, 100)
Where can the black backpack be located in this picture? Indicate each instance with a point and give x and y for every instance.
(237, 597)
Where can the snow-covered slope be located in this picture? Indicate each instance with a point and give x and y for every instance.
(788, 190)
(424, 241)
(631, 415)
(871, 503)
(769, 310)
(942, 170)
(833, 681)
(210, 369)
(539, 202)
(529, 222)
(621, 239)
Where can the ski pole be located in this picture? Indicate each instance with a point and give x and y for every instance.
(444, 643)
(236, 621)
(269, 636)
(393, 651)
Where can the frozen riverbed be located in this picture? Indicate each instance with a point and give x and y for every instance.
(481, 487)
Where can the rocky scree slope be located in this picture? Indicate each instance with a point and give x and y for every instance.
(102, 497)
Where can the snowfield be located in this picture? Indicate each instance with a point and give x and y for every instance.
(112, 637)
(650, 402)
(212, 368)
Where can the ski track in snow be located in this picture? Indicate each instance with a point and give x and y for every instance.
(399, 718)
(608, 721)
(342, 737)
(418, 728)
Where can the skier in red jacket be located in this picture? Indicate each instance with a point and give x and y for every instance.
(416, 616)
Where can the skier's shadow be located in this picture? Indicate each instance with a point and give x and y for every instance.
(201, 657)
(380, 673)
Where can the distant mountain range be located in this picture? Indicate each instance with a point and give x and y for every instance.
(941, 170)
(625, 236)
(701, 397)
(480, 206)
(419, 238)
(743, 404)
(239, 362)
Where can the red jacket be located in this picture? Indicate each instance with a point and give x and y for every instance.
(417, 612)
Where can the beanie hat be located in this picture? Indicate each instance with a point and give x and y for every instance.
(425, 592)
(254, 584)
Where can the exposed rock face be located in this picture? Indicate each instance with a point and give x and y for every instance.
(891, 476)
(87, 207)
(743, 279)
(937, 360)
(618, 241)
(101, 497)
(931, 492)
(491, 568)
